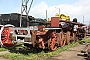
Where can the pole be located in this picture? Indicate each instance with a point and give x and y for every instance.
(46, 14)
(83, 19)
(25, 9)
(21, 15)
(59, 10)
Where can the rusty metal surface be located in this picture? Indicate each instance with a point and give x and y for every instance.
(5, 37)
(76, 23)
(62, 39)
(68, 37)
(54, 21)
(53, 41)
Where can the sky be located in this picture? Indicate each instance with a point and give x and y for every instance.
(73, 8)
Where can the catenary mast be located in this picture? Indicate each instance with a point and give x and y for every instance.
(25, 10)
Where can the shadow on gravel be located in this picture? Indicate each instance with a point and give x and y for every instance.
(86, 58)
(83, 55)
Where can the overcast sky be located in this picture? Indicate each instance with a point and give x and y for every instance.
(73, 8)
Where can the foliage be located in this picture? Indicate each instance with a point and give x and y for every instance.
(87, 40)
(2, 49)
(33, 54)
(23, 53)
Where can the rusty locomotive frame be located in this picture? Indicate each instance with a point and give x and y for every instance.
(43, 35)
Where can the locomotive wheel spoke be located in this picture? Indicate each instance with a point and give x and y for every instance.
(68, 37)
(52, 43)
(74, 37)
(53, 47)
(64, 42)
(62, 39)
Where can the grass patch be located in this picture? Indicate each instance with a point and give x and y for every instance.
(18, 56)
(60, 49)
(2, 49)
(32, 54)
(86, 40)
